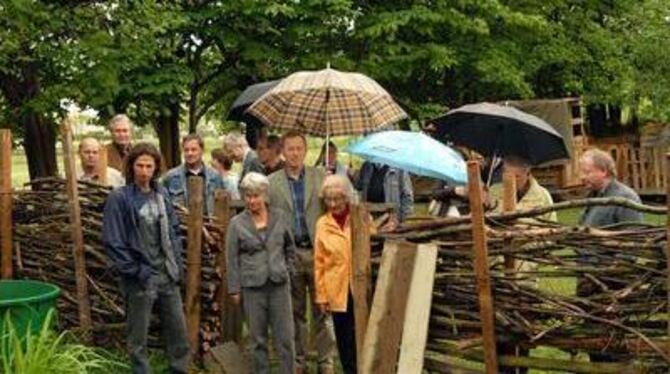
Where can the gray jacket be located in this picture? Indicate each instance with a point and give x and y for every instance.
(598, 216)
(280, 196)
(397, 188)
(252, 260)
(251, 163)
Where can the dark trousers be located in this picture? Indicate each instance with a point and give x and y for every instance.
(511, 349)
(586, 288)
(345, 334)
(139, 303)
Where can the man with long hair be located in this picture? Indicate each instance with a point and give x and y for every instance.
(140, 233)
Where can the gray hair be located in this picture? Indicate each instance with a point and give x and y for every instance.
(338, 181)
(234, 139)
(255, 183)
(601, 160)
(118, 119)
(88, 140)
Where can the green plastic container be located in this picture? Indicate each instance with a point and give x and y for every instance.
(26, 303)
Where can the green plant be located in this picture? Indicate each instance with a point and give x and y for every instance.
(48, 352)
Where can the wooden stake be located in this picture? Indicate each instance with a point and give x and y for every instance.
(231, 324)
(417, 312)
(78, 252)
(482, 268)
(194, 259)
(6, 203)
(509, 205)
(102, 166)
(360, 239)
(382, 338)
(667, 242)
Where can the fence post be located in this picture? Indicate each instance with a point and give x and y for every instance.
(509, 205)
(102, 166)
(194, 260)
(6, 203)
(360, 256)
(482, 268)
(667, 242)
(78, 252)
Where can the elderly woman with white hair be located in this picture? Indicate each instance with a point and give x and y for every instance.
(332, 265)
(259, 252)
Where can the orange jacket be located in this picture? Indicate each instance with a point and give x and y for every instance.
(332, 263)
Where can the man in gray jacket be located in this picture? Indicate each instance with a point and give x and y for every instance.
(598, 173)
(294, 190)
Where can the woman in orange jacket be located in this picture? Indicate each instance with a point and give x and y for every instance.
(332, 265)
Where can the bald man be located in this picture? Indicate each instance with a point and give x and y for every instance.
(89, 155)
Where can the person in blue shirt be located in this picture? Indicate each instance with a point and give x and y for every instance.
(140, 232)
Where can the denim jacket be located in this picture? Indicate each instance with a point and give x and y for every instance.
(175, 183)
(397, 188)
(121, 235)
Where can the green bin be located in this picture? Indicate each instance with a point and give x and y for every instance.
(26, 303)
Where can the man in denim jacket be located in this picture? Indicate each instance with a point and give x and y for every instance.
(141, 237)
(175, 180)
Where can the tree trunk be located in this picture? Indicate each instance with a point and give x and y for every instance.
(193, 107)
(39, 142)
(167, 129)
(39, 135)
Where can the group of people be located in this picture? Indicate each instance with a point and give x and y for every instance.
(290, 247)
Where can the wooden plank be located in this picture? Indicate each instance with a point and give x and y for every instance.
(635, 169)
(482, 268)
(644, 162)
(6, 203)
(194, 260)
(360, 258)
(667, 242)
(102, 166)
(658, 164)
(382, 338)
(509, 205)
(417, 312)
(78, 253)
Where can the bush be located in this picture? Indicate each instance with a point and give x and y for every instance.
(48, 352)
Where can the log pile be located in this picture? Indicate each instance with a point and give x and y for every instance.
(42, 241)
(622, 312)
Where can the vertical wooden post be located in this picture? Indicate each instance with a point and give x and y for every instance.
(360, 257)
(387, 315)
(667, 243)
(75, 226)
(482, 268)
(231, 322)
(6, 203)
(194, 259)
(417, 312)
(509, 205)
(102, 166)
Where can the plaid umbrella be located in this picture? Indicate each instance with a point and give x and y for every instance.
(327, 103)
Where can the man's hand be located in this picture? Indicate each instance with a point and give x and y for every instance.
(235, 298)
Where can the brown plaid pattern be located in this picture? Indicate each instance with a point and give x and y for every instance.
(327, 101)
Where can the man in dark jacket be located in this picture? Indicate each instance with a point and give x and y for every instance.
(140, 235)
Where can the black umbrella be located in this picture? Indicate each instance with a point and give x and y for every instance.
(246, 98)
(237, 111)
(496, 130)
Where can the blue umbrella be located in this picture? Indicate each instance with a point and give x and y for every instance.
(414, 152)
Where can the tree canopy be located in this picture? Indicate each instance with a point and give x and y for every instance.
(172, 63)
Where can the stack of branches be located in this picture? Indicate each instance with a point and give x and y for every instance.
(576, 289)
(43, 251)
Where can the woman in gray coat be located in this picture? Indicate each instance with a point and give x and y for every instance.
(259, 250)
